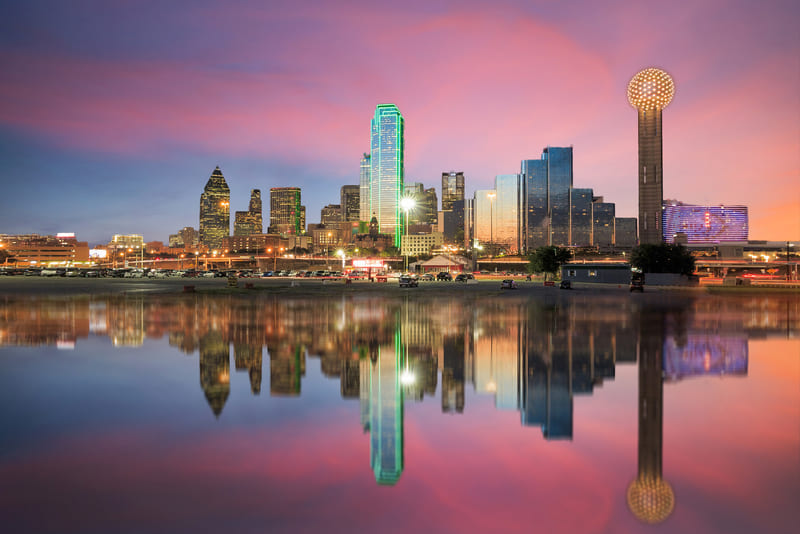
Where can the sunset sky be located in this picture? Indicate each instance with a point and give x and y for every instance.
(114, 114)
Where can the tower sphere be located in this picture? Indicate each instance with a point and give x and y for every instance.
(651, 88)
(651, 499)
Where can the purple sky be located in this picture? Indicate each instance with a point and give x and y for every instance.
(114, 114)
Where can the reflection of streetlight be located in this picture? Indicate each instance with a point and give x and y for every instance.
(406, 204)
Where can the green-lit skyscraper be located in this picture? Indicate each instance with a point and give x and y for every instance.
(215, 211)
(386, 169)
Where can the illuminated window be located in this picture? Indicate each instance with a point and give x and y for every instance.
(593, 272)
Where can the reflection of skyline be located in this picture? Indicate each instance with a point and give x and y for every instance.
(530, 355)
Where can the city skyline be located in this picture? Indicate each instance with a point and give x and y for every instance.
(275, 105)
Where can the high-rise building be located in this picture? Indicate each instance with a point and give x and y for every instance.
(545, 198)
(331, 215)
(350, 198)
(249, 222)
(602, 223)
(495, 215)
(580, 217)
(452, 189)
(387, 169)
(650, 91)
(625, 232)
(705, 224)
(215, 211)
(364, 188)
(286, 214)
(505, 213)
(426, 204)
(453, 206)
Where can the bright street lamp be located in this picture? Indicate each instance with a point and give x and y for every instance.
(341, 253)
(406, 204)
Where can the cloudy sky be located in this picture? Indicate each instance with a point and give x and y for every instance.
(114, 114)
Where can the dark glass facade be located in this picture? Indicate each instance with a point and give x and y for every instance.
(350, 199)
(545, 201)
(580, 217)
(603, 224)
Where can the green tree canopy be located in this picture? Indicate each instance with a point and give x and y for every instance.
(548, 259)
(663, 258)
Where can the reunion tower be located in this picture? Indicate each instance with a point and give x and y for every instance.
(650, 91)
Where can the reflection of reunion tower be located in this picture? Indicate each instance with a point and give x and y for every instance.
(650, 497)
(650, 91)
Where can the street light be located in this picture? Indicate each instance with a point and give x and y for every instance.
(491, 216)
(406, 204)
(341, 253)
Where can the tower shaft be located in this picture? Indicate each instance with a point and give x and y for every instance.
(651, 187)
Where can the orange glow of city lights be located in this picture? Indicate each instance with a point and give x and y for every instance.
(651, 88)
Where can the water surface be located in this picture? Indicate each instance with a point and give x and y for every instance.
(567, 412)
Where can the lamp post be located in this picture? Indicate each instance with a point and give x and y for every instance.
(327, 247)
(491, 196)
(788, 264)
(406, 204)
(341, 253)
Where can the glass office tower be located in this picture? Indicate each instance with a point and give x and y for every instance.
(545, 202)
(452, 189)
(387, 170)
(505, 212)
(215, 211)
(580, 217)
(603, 214)
(363, 199)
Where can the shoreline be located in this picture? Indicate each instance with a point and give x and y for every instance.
(32, 286)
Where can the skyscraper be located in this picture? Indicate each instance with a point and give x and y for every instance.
(453, 206)
(215, 214)
(650, 91)
(249, 222)
(452, 189)
(602, 223)
(580, 216)
(350, 197)
(545, 198)
(364, 191)
(286, 215)
(425, 210)
(387, 169)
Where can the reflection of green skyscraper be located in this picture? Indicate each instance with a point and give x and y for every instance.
(650, 497)
(386, 414)
(215, 370)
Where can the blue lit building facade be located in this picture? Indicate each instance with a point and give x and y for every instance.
(387, 169)
(705, 224)
(545, 199)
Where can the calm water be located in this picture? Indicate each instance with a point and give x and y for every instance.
(566, 413)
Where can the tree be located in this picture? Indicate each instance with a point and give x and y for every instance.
(548, 260)
(663, 258)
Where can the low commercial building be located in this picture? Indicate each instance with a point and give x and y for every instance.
(418, 244)
(597, 273)
(32, 249)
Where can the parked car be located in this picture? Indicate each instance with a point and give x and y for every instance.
(444, 276)
(463, 277)
(427, 277)
(565, 284)
(508, 284)
(407, 281)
